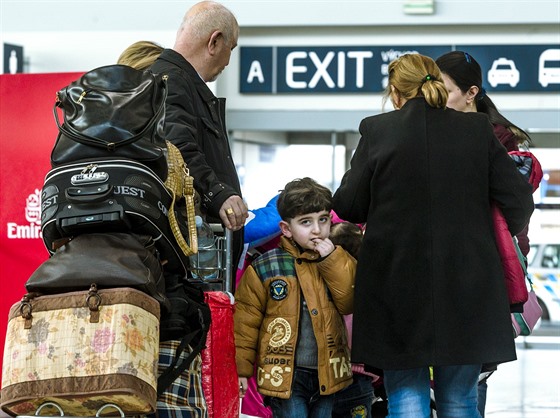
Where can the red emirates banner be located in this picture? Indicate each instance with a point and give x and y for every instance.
(27, 134)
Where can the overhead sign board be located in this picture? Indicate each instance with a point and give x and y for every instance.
(13, 59)
(518, 68)
(363, 69)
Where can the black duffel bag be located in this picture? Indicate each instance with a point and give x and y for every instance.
(110, 259)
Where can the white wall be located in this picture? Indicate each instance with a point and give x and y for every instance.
(63, 36)
(78, 35)
(148, 15)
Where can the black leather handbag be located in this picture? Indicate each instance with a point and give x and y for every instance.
(113, 111)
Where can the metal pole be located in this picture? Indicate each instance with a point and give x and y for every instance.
(229, 246)
(333, 144)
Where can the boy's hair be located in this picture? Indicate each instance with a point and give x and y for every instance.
(302, 196)
(348, 236)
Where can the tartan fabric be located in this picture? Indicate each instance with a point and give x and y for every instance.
(274, 263)
(185, 397)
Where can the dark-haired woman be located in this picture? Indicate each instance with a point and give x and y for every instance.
(462, 76)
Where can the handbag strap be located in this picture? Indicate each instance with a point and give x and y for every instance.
(522, 261)
(173, 371)
(180, 183)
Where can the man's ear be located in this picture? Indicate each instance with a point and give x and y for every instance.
(213, 42)
(285, 228)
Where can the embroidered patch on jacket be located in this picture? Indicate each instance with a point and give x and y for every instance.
(281, 332)
(278, 289)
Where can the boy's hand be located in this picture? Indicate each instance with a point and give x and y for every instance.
(323, 246)
(242, 386)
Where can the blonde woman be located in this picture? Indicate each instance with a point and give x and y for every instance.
(429, 283)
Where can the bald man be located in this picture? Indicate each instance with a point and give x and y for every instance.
(195, 123)
(195, 118)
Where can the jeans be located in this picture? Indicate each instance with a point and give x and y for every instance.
(305, 401)
(355, 400)
(482, 389)
(455, 389)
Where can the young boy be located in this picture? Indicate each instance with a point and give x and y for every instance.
(289, 304)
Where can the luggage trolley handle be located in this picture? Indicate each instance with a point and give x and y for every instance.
(226, 252)
(229, 247)
(223, 248)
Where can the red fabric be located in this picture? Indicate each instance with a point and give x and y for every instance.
(28, 132)
(513, 272)
(219, 372)
(506, 137)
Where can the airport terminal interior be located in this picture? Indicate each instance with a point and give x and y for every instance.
(305, 73)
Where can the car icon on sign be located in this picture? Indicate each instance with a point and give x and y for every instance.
(503, 71)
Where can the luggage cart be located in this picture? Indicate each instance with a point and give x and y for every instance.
(222, 278)
(220, 382)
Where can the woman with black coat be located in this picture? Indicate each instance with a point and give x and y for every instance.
(429, 283)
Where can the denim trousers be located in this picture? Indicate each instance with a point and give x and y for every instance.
(455, 390)
(305, 401)
(482, 390)
(354, 401)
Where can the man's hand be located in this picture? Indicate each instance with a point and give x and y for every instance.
(233, 213)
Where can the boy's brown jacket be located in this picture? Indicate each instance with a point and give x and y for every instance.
(267, 316)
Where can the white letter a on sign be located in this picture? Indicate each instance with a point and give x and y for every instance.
(255, 71)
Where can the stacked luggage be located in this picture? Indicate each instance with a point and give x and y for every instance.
(117, 219)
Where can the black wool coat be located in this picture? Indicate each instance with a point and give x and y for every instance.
(430, 288)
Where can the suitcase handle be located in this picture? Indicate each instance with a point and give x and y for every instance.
(57, 406)
(53, 404)
(110, 405)
(89, 194)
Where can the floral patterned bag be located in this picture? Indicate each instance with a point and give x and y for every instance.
(82, 350)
